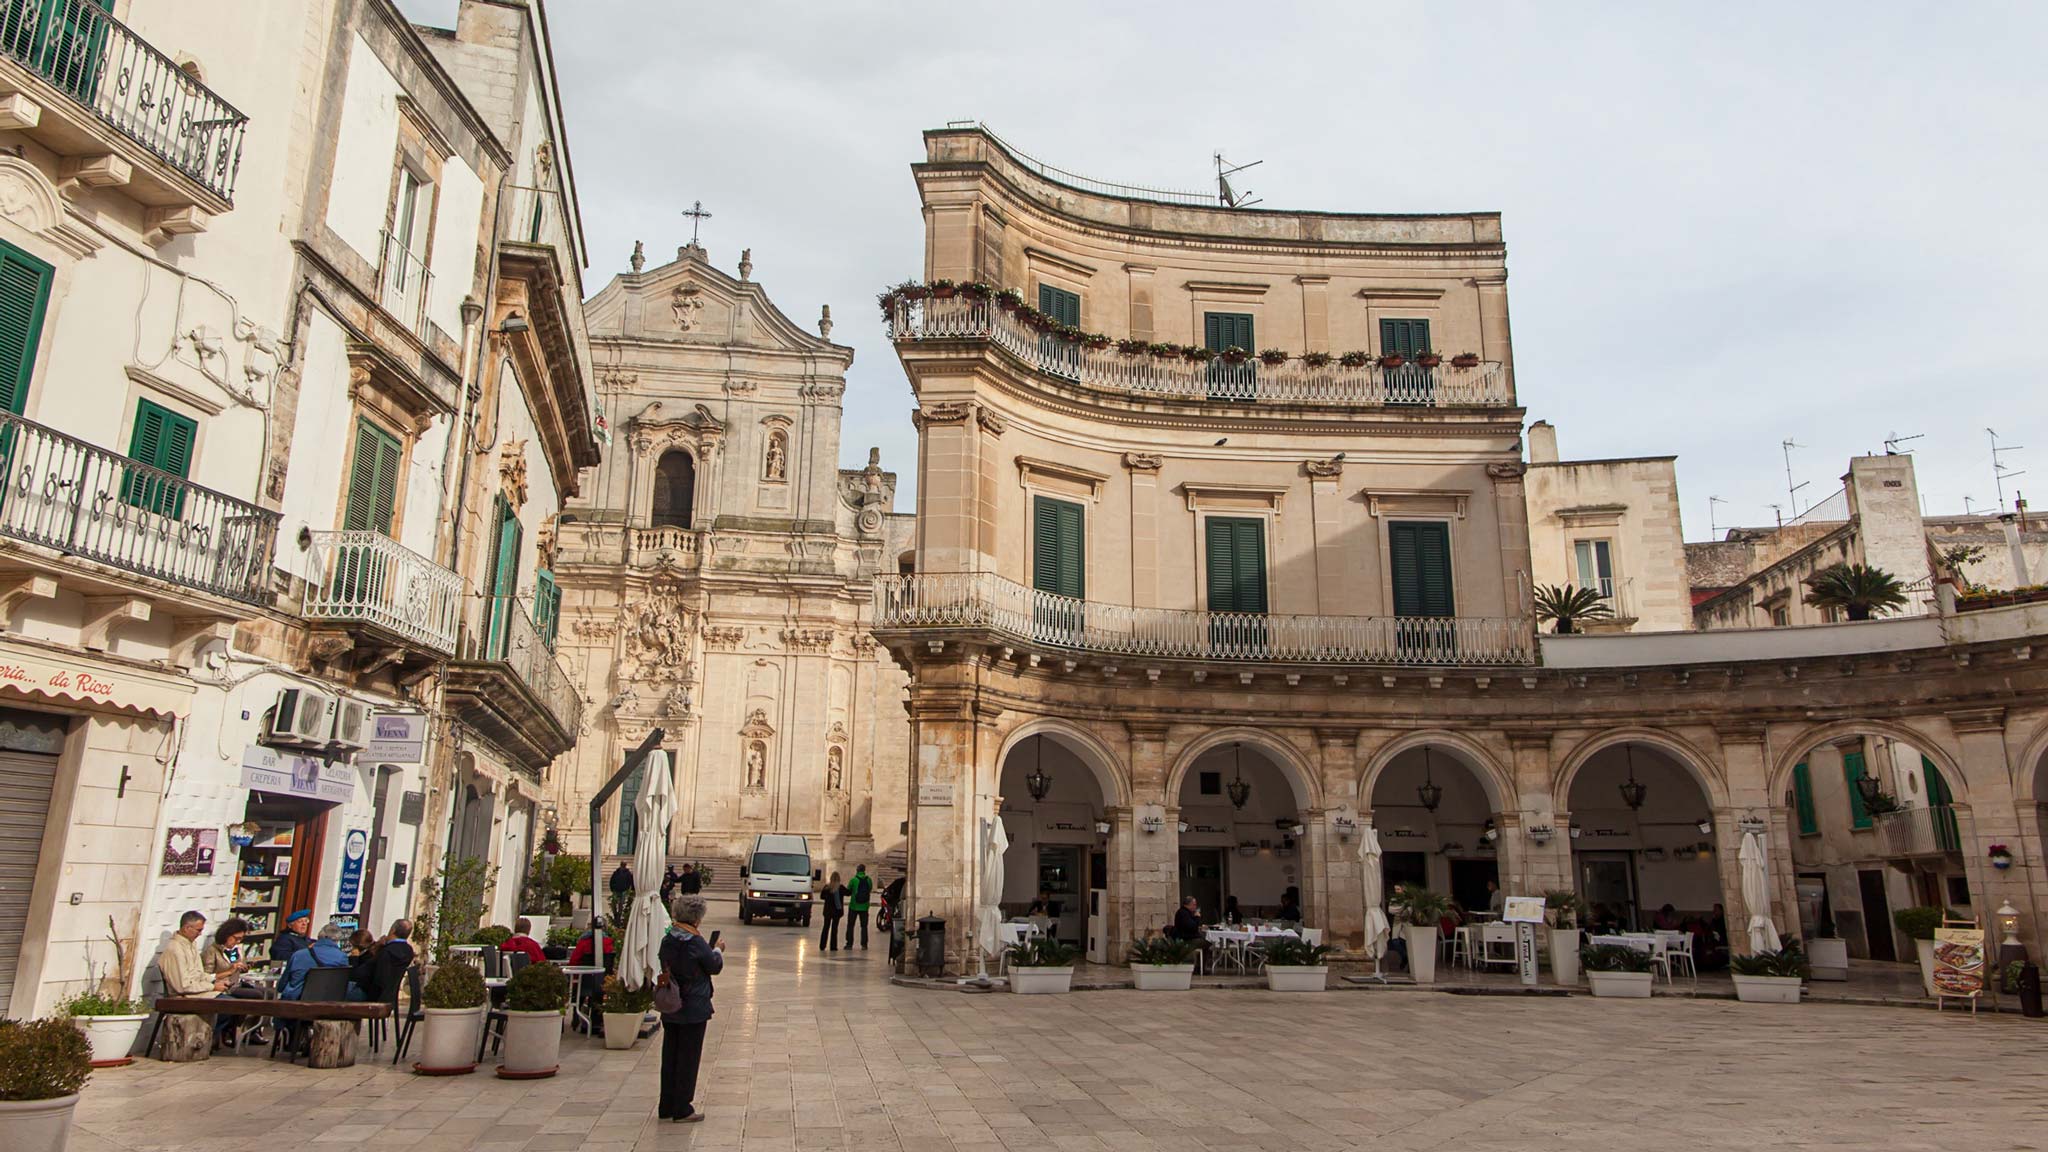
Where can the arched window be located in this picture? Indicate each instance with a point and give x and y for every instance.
(675, 489)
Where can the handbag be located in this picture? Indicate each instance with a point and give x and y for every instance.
(668, 995)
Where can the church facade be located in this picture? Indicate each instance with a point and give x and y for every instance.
(717, 577)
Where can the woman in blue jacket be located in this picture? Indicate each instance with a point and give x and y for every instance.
(688, 962)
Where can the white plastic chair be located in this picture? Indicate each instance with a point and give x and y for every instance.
(1678, 952)
(1492, 934)
(1311, 936)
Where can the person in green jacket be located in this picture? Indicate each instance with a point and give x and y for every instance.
(858, 890)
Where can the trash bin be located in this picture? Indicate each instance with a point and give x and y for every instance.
(931, 946)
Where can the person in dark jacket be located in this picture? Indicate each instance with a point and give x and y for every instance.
(668, 885)
(1187, 921)
(691, 882)
(622, 880)
(688, 961)
(294, 938)
(834, 896)
(394, 956)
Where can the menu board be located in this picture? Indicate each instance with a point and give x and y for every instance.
(1958, 961)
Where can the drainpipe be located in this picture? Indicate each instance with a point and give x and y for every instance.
(472, 352)
(472, 392)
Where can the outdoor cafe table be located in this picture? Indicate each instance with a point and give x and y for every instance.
(1236, 943)
(576, 973)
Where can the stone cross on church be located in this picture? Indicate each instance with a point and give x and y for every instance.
(697, 216)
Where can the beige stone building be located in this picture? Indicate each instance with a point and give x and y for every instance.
(1612, 526)
(1184, 619)
(718, 576)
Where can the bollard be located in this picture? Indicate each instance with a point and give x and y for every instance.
(2030, 991)
(931, 946)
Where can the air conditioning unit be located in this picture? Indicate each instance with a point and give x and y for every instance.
(301, 716)
(351, 725)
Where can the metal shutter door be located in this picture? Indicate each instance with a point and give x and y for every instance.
(25, 783)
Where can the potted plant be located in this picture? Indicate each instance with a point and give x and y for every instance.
(1009, 299)
(1564, 910)
(1465, 360)
(1428, 359)
(534, 1000)
(1392, 359)
(977, 290)
(1234, 355)
(1614, 970)
(454, 999)
(1163, 964)
(1882, 803)
(1355, 359)
(1420, 910)
(1196, 355)
(43, 1064)
(1770, 977)
(1568, 604)
(1040, 965)
(624, 1010)
(1133, 347)
(2001, 857)
(562, 936)
(943, 289)
(110, 1024)
(1315, 359)
(490, 935)
(1856, 590)
(1920, 923)
(1294, 965)
(1096, 341)
(1272, 357)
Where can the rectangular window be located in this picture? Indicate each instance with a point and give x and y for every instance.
(547, 606)
(1781, 617)
(372, 481)
(1802, 800)
(415, 211)
(1222, 330)
(1407, 337)
(1596, 566)
(1058, 548)
(1852, 770)
(1420, 561)
(1063, 306)
(162, 439)
(24, 299)
(1236, 548)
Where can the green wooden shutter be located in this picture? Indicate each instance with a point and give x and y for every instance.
(504, 578)
(547, 606)
(1852, 769)
(1237, 563)
(1222, 330)
(1406, 337)
(372, 497)
(1063, 306)
(1058, 548)
(1947, 830)
(162, 439)
(1802, 800)
(24, 299)
(1420, 562)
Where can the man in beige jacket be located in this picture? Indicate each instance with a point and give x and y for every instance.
(183, 972)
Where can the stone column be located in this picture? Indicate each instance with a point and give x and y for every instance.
(1511, 518)
(1333, 889)
(1746, 768)
(1153, 893)
(949, 488)
(1992, 816)
(1334, 565)
(951, 792)
(1127, 846)
(1545, 866)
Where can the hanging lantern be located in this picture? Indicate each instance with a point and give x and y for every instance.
(1038, 782)
(1632, 793)
(1238, 789)
(1429, 792)
(1868, 786)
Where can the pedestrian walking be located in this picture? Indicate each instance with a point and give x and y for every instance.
(668, 886)
(834, 897)
(688, 962)
(622, 880)
(858, 890)
(691, 882)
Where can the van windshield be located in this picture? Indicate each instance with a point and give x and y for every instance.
(782, 864)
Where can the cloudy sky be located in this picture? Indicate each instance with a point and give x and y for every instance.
(1728, 225)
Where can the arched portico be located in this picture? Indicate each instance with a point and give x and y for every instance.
(1292, 764)
(1446, 816)
(1649, 846)
(1061, 799)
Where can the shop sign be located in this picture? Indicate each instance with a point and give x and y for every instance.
(95, 685)
(189, 851)
(1958, 961)
(396, 738)
(289, 774)
(353, 849)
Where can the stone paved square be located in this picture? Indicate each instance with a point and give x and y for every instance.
(811, 1052)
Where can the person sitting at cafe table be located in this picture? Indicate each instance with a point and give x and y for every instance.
(521, 940)
(1187, 921)
(224, 956)
(324, 952)
(294, 937)
(1666, 919)
(1290, 906)
(394, 956)
(584, 950)
(183, 970)
(1042, 905)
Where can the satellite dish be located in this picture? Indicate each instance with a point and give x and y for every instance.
(1225, 194)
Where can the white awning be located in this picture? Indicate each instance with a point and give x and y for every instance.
(45, 675)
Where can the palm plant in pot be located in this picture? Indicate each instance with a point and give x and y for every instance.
(1294, 965)
(43, 1064)
(1567, 605)
(1920, 923)
(1857, 590)
(453, 1006)
(534, 1000)
(1770, 977)
(1420, 910)
(1615, 970)
(1163, 964)
(1041, 964)
(1564, 910)
(624, 1010)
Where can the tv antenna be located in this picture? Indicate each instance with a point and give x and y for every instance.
(1999, 472)
(1779, 509)
(1967, 510)
(1791, 489)
(1892, 442)
(1225, 195)
(1713, 530)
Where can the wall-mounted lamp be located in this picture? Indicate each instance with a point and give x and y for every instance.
(1152, 824)
(1296, 830)
(1492, 833)
(1706, 826)
(2008, 925)
(1346, 827)
(513, 323)
(1542, 833)
(1575, 832)
(1181, 827)
(1705, 850)
(1102, 827)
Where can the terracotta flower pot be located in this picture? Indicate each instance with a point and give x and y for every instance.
(1393, 360)
(1429, 360)
(1465, 360)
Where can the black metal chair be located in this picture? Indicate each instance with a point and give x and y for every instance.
(492, 961)
(322, 984)
(514, 961)
(414, 1013)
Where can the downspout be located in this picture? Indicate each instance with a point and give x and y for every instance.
(472, 392)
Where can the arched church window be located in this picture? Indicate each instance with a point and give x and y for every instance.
(675, 489)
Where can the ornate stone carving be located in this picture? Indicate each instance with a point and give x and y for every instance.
(754, 736)
(547, 540)
(942, 412)
(639, 258)
(837, 733)
(725, 637)
(685, 302)
(1506, 469)
(1143, 461)
(825, 323)
(835, 769)
(512, 471)
(775, 459)
(824, 390)
(651, 433)
(991, 421)
(595, 629)
(746, 264)
(807, 639)
(1324, 468)
(659, 634)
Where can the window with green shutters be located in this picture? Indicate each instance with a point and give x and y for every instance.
(1063, 306)
(1420, 561)
(1406, 337)
(547, 606)
(1852, 771)
(162, 439)
(1802, 800)
(24, 299)
(504, 579)
(1222, 330)
(1236, 549)
(1058, 548)
(1948, 833)
(372, 481)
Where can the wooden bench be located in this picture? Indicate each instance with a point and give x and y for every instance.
(333, 1040)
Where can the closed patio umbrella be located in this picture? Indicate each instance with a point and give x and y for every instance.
(640, 949)
(1756, 893)
(989, 912)
(1377, 930)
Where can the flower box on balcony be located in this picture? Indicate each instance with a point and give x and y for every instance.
(1428, 359)
(1392, 360)
(1465, 360)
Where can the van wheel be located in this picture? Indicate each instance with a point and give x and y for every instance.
(807, 919)
(746, 913)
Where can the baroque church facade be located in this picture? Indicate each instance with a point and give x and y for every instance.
(717, 577)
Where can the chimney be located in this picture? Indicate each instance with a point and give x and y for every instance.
(2010, 521)
(1542, 443)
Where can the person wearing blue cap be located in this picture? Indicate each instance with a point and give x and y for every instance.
(294, 938)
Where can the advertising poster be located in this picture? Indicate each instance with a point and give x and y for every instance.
(1958, 961)
(189, 851)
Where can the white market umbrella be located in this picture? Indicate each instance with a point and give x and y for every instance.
(1756, 894)
(1377, 929)
(655, 810)
(995, 842)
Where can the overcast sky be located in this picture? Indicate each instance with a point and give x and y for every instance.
(1727, 224)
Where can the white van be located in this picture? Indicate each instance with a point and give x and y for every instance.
(776, 879)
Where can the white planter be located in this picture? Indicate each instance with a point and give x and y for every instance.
(1421, 952)
(1926, 950)
(1629, 985)
(36, 1125)
(112, 1037)
(533, 1044)
(1564, 957)
(540, 927)
(450, 1038)
(1829, 958)
(1767, 989)
(1039, 981)
(1297, 978)
(621, 1029)
(1163, 977)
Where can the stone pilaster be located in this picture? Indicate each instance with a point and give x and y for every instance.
(1151, 890)
(953, 789)
(1333, 885)
(1992, 816)
(1539, 868)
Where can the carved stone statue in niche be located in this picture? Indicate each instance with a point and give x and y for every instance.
(835, 769)
(757, 764)
(776, 466)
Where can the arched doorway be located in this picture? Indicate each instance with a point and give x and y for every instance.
(1241, 834)
(675, 490)
(1053, 808)
(1438, 819)
(1644, 854)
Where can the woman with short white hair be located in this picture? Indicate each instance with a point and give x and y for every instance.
(688, 962)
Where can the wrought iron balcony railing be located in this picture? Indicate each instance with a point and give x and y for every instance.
(369, 578)
(102, 65)
(1411, 385)
(507, 635)
(85, 501)
(403, 281)
(1929, 831)
(985, 600)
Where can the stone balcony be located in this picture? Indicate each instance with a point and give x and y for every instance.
(380, 603)
(506, 683)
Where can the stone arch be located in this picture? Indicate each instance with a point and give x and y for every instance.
(674, 498)
(1493, 780)
(27, 198)
(2030, 769)
(1294, 767)
(1085, 745)
(1702, 768)
(1929, 745)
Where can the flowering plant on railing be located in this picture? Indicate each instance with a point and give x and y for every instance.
(1272, 357)
(2001, 856)
(1194, 355)
(1465, 360)
(1234, 355)
(1355, 359)
(1133, 347)
(1428, 359)
(1315, 359)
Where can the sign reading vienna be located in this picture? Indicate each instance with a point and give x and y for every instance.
(397, 738)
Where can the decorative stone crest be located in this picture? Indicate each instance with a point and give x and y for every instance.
(941, 412)
(659, 634)
(991, 421)
(1143, 461)
(1324, 468)
(726, 637)
(1506, 469)
(512, 471)
(807, 639)
(686, 301)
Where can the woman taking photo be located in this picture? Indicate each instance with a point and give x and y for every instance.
(688, 962)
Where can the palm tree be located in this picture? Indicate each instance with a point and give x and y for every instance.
(1568, 605)
(1859, 591)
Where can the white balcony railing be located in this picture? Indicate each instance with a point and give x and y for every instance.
(1930, 831)
(985, 600)
(1411, 385)
(403, 281)
(369, 578)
